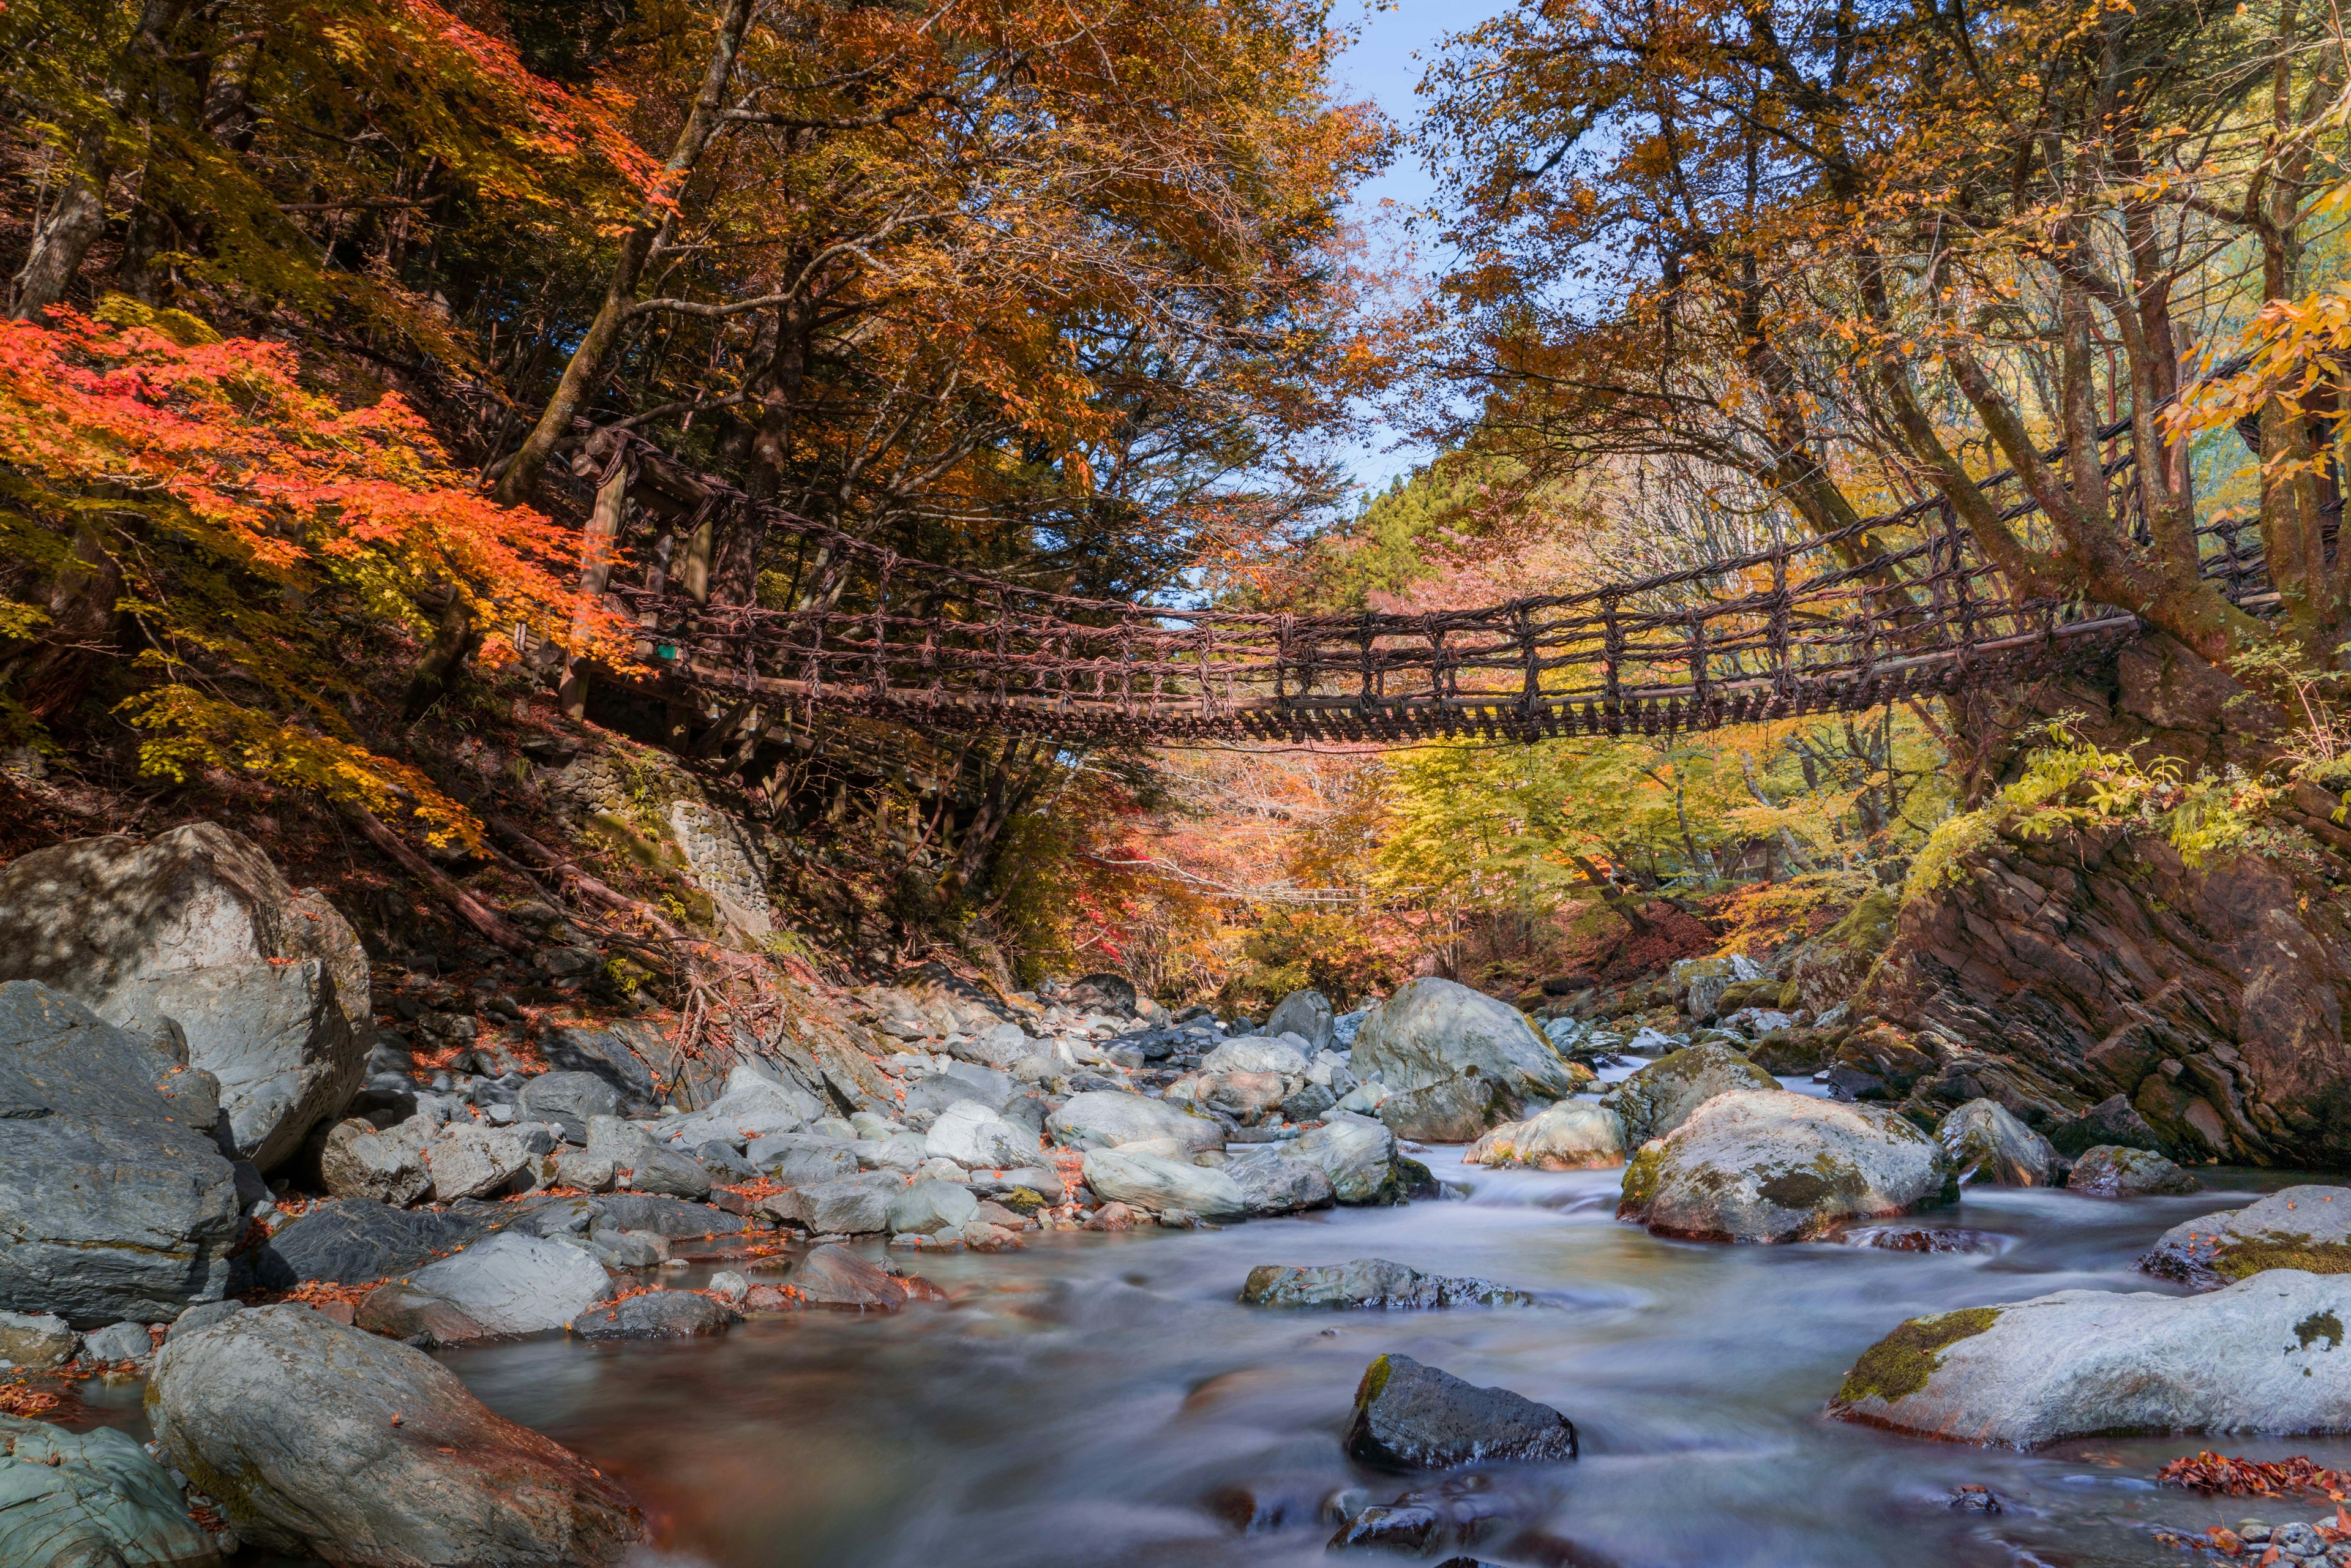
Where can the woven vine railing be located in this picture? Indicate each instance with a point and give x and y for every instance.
(1896, 606)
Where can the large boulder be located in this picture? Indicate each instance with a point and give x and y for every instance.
(648, 1166)
(2304, 1227)
(620, 1054)
(1434, 1033)
(834, 1276)
(1986, 1143)
(110, 1206)
(753, 1106)
(356, 1161)
(322, 1440)
(91, 1499)
(269, 987)
(976, 1138)
(1257, 1053)
(846, 1206)
(470, 1160)
(1306, 1014)
(655, 1315)
(1356, 1153)
(568, 1099)
(1273, 1183)
(352, 1242)
(2267, 1355)
(2068, 967)
(1413, 1417)
(513, 1284)
(1372, 1282)
(1104, 1118)
(1779, 1166)
(1573, 1135)
(1661, 1096)
(2107, 1170)
(1157, 1184)
(1697, 983)
(928, 1207)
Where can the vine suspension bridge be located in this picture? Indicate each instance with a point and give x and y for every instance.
(1892, 607)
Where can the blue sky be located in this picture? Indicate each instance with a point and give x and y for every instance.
(1386, 65)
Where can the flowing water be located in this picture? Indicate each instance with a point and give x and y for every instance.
(1100, 1399)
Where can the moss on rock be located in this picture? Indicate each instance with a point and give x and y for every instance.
(1900, 1364)
(2245, 1258)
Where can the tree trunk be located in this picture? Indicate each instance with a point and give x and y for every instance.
(454, 643)
(595, 571)
(519, 482)
(65, 235)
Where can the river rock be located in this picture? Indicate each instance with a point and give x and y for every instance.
(1780, 1166)
(118, 1342)
(354, 1240)
(402, 1311)
(269, 987)
(388, 1166)
(1986, 1143)
(801, 1159)
(2109, 1171)
(1272, 1183)
(1433, 1032)
(620, 1053)
(201, 1316)
(321, 1440)
(834, 1276)
(568, 1099)
(1158, 1184)
(1697, 983)
(1661, 1096)
(1258, 1053)
(1306, 1014)
(1356, 1153)
(1372, 1282)
(513, 1284)
(470, 1160)
(36, 1339)
(960, 1081)
(929, 1208)
(1415, 1417)
(753, 1106)
(2266, 1354)
(648, 1166)
(1457, 1110)
(2304, 1227)
(1104, 1118)
(109, 1206)
(655, 1315)
(670, 1219)
(975, 1138)
(91, 1499)
(1572, 1135)
(850, 1206)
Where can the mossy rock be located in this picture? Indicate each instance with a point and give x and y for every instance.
(1900, 1364)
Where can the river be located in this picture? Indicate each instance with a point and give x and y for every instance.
(1102, 1400)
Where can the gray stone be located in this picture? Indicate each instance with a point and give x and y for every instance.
(1309, 1104)
(402, 1312)
(670, 1219)
(852, 1206)
(960, 1081)
(568, 1099)
(469, 1160)
(38, 1340)
(2110, 1171)
(118, 1342)
(1661, 1096)
(655, 1315)
(1433, 1032)
(201, 1316)
(647, 1166)
(1986, 1143)
(1306, 1014)
(1698, 983)
(2267, 1355)
(1415, 1417)
(1457, 1110)
(1357, 1154)
(1272, 1183)
(800, 1160)
(753, 1106)
(2305, 1227)
(1158, 1184)
(1258, 1053)
(1372, 1282)
(91, 1499)
(351, 1241)
(1573, 1135)
(1780, 1166)
(620, 1054)
(109, 1209)
(976, 1138)
(357, 1161)
(997, 1048)
(1103, 1118)
(929, 1208)
(268, 988)
(589, 1172)
(516, 1285)
(321, 1440)
(834, 1276)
